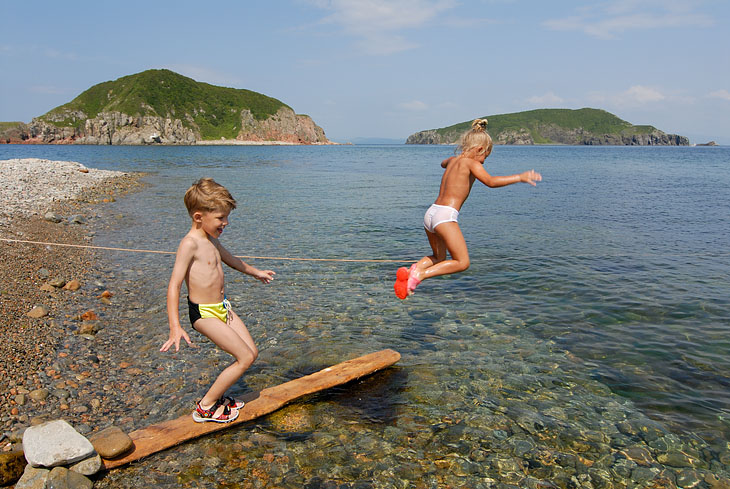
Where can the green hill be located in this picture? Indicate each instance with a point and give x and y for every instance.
(551, 126)
(216, 111)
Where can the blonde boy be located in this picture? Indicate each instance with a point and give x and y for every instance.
(199, 261)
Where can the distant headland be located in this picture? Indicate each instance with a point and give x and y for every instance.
(556, 126)
(164, 107)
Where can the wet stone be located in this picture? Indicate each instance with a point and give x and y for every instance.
(39, 394)
(88, 466)
(12, 465)
(33, 478)
(677, 458)
(111, 442)
(62, 478)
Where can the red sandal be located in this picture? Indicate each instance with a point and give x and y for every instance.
(201, 415)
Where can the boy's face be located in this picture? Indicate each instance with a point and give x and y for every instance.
(212, 222)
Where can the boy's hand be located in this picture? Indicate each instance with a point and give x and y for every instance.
(175, 340)
(264, 276)
(530, 177)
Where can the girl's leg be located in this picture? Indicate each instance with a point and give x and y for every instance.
(447, 237)
(234, 339)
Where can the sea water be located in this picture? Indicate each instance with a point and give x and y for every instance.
(599, 298)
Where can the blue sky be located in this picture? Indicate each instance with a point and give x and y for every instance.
(389, 68)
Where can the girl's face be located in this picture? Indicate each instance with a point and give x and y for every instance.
(214, 222)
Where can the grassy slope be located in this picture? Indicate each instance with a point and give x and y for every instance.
(215, 110)
(592, 120)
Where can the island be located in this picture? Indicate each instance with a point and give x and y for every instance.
(158, 107)
(556, 126)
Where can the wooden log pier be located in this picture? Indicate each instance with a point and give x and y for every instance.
(159, 437)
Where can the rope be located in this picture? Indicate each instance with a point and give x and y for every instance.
(248, 257)
(285, 258)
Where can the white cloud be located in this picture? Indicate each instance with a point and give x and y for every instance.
(378, 23)
(547, 99)
(640, 94)
(414, 105)
(721, 94)
(609, 19)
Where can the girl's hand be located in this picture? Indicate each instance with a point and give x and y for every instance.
(265, 276)
(174, 339)
(530, 177)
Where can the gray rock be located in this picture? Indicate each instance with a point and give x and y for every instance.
(88, 466)
(52, 217)
(55, 443)
(62, 478)
(33, 478)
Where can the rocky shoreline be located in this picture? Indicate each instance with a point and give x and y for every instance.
(43, 290)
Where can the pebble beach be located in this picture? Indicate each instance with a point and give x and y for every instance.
(42, 287)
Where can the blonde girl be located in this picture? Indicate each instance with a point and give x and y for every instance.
(441, 221)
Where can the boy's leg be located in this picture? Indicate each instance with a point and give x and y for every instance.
(229, 339)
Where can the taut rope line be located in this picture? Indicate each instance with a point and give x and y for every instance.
(250, 257)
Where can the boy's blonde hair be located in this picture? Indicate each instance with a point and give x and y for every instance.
(475, 137)
(206, 195)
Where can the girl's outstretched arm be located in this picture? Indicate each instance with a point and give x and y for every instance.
(530, 176)
(448, 160)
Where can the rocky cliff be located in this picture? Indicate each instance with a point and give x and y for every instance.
(163, 107)
(557, 126)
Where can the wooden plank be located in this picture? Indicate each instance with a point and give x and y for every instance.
(159, 437)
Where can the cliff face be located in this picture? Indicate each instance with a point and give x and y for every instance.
(117, 128)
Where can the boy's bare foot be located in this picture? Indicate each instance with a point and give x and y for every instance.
(218, 413)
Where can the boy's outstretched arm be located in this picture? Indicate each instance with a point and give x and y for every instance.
(183, 258)
(448, 160)
(264, 276)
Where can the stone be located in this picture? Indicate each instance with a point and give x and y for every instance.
(33, 478)
(77, 219)
(62, 478)
(72, 285)
(38, 312)
(111, 442)
(39, 394)
(12, 465)
(55, 443)
(48, 288)
(51, 217)
(87, 328)
(88, 466)
(677, 458)
(57, 282)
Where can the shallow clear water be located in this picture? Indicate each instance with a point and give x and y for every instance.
(603, 293)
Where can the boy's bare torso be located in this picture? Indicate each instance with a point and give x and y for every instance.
(456, 182)
(204, 276)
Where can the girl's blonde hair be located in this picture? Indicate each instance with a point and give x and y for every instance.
(206, 195)
(475, 137)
